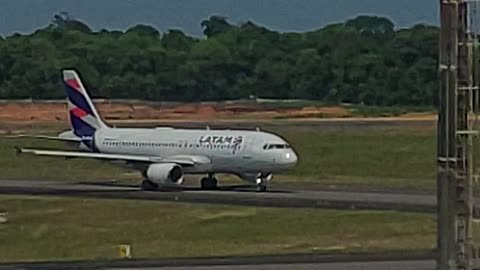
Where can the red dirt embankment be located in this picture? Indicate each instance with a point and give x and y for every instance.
(42, 112)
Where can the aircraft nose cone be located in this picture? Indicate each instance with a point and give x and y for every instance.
(294, 159)
(290, 158)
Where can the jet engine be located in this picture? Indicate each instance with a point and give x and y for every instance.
(165, 174)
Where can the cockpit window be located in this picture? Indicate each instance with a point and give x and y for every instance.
(276, 146)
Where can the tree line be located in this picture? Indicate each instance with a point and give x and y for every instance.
(361, 61)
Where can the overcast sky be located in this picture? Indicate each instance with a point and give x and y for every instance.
(24, 16)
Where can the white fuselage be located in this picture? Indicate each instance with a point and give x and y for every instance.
(227, 151)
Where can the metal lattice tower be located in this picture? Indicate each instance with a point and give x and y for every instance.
(457, 132)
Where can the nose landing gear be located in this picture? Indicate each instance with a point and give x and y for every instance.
(262, 180)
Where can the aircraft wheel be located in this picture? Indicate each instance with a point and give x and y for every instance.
(209, 183)
(148, 185)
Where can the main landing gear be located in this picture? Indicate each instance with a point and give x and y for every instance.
(148, 185)
(209, 183)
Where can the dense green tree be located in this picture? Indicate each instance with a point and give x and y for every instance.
(177, 40)
(372, 26)
(64, 22)
(215, 25)
(142, 29)
(362, 61)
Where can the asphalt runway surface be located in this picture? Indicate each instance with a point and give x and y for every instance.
(232, 195)
(422, 260)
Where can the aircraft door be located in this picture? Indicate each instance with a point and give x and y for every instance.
(247, 147)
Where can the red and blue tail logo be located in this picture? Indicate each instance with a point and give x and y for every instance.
(84, 119)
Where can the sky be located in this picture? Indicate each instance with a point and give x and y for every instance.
(25, 16)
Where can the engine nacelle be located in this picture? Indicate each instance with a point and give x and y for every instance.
(165, 174)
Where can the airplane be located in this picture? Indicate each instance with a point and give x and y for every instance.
(163, 154)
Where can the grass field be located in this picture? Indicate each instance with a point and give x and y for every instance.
(396, 157)
(50, 228)
(380, 157)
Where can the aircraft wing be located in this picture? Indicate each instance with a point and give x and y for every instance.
(181, 160)
(43, 137)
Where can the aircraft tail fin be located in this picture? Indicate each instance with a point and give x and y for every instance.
(84, 118)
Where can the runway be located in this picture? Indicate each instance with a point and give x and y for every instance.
(388, 261)
(232, 195)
